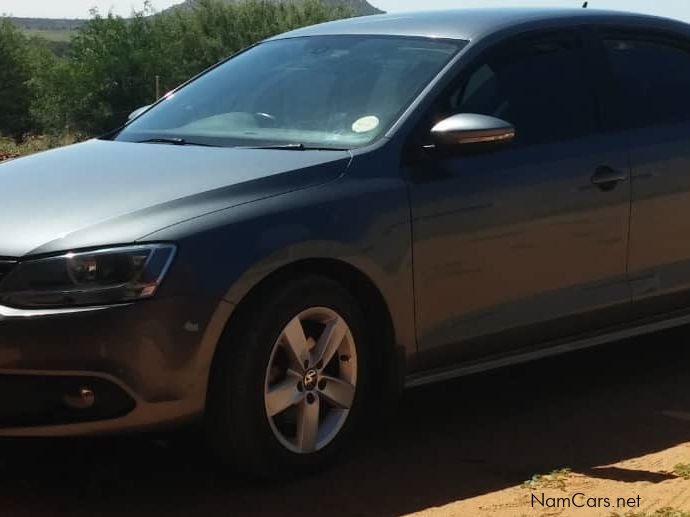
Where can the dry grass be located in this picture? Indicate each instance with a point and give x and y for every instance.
(682, 470)
(663, 512)
(34, 144)
(555, 479)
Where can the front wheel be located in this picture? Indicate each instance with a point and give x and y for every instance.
(288, 389)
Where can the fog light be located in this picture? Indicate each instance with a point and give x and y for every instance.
(84, 399)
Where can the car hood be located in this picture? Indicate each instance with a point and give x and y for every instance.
(103, 192)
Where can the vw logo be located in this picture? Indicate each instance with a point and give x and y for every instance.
(310, 379)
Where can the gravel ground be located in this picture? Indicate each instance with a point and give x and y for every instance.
(618, 417)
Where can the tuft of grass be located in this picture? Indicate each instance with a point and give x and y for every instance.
(555, 479)
(682, 470)
(663, 512)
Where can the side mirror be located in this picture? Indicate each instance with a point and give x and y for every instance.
(137, 112)
(467, 131)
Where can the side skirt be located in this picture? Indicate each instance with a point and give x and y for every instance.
(462, 370)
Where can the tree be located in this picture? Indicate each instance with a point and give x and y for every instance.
(113, 62)
(15, 89)
(50, 84)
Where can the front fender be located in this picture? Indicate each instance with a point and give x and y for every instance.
(361, 222)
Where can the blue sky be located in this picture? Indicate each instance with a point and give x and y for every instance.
(80, 8)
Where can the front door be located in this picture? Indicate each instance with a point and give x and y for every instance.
(519, 246)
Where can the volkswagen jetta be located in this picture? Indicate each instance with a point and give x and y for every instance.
(281, 244)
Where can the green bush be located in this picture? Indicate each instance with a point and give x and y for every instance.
(15, 76)
(112, 64)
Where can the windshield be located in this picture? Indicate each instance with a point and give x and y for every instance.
(338, 92)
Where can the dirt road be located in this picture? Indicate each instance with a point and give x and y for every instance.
(618, 417)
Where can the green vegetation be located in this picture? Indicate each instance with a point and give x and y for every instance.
(663, 512)
(34, 144)
(56, 34)
(48, 24)
(555, 479)
(682, 470)
(15, 77)
(358, 7)
(59, 36)
(112, 63)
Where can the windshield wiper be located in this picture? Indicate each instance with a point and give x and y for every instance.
(294, 147)
(172, 141)
(283, 147)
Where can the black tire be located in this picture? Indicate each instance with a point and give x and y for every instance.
(237, 425)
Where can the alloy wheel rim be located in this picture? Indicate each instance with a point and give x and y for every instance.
(311, 380)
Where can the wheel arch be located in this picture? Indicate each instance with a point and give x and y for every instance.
(390, 358)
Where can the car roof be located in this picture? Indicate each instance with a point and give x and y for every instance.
(470, 24)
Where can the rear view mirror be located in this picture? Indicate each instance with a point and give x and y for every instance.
(469, 130)
(137, 112)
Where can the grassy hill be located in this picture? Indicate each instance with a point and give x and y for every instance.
(53, 33)
(47, 24)
(56, 33)
(360, 7)
(54, 29)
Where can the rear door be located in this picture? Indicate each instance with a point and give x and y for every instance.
(518, 246)
(650, 105)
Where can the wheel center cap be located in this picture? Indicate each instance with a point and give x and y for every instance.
(310, 378)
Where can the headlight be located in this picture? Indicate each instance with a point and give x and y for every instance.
(97, 277)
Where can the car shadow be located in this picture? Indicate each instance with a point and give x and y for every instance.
(447, 442)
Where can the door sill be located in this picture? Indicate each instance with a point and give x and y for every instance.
(462, 370)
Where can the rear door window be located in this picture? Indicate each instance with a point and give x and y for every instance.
(652, 80)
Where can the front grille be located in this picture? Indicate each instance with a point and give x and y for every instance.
(5, 267)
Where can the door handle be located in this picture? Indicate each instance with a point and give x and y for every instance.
(606, 178)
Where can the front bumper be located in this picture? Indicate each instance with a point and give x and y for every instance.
(147, 365)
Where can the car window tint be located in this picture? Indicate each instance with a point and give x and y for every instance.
(653, 81)
(540, 87)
